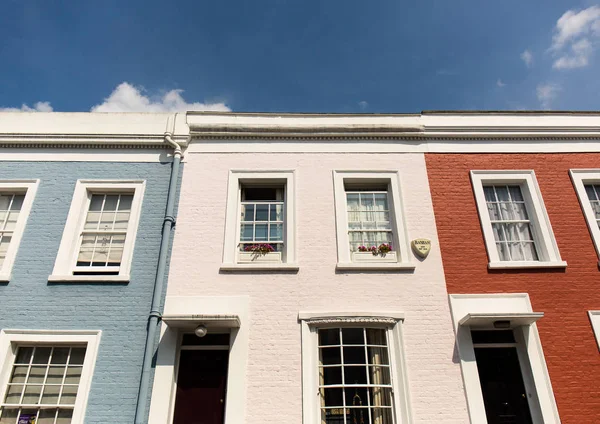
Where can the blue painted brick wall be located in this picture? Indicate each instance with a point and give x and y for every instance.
(28, 301)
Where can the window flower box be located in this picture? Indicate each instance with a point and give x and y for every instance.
(370, 257)
(252, 257)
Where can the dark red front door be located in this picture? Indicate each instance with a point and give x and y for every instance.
(201, 386)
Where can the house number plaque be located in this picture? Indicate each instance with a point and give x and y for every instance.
(421, 247)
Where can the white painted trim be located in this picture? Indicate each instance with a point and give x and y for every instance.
(580, 178)
(31, 154)
(232, 221)
(595, 320)
(89, 278)
(164, 388)
(547, 249)
(390, 320)
(29, 187)
(400, 241)
(259, 266)
(526, 264)
(69, 245)
(9, 339)
(531, 356)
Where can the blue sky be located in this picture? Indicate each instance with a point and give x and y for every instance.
(299, 55)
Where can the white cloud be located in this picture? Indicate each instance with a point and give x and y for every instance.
(546, 93)
(500, 84)
(363, 105)
(527, 57)
(129, 98)
(574, 37)
(37, 107)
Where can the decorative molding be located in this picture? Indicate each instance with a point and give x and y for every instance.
(352, 320)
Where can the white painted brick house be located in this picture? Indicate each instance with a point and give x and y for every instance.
(279, 321)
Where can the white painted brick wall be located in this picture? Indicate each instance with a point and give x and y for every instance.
(274, 362)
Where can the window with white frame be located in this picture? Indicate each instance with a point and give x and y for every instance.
(369, 223)
(355, 366)
(514, 220)
(262, 217)
(259, 227)
(355, 381)
(100, 232)
(587, 186)
(370, 227)
(16, 199)
(46, 376)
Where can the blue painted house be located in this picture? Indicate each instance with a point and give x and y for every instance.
(85, 230)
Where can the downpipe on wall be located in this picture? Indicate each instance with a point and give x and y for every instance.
(155, 314)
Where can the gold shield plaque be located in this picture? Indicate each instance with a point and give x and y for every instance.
(421, 247)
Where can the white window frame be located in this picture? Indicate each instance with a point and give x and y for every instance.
(30, 188)
(400, 241)
(11, 339)
(595, 320)
(529, 349)
(547, 249)
(69, 245)
(580, 178)
(232, 220)
(392, 321)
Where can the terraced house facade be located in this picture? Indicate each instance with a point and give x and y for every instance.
(82, 204)
(325, 269)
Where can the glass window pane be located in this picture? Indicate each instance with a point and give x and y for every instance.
(64, 416)
(276, 232)
(331, 375)
(110, 204)
(276, 212)
(19, 374)
(246, 231)
(330, 356)
(382, 415)
(32, 394)
(60, 355)
(9, 416)
(50, 395)
(13, 394)
(354, 355)
(494, 211)
(125, 202)
(353, 336)
(356, 396)
(121, 220)
(55, 375)
(37, 374)
(68, 395)
(352, 201)
(332, 397)
(77, 355)
(520, 211)
(515, 193)
(378, 355)
(42, 355)
(96, 202)
(46, 416)
(248, 213)
(380, 396)
(502, 193)
(503, 252)
(379, 375)
(260, 232)
(17, 202)
(366, 201)
(73, 375)
(262, 212)
(23, 355)
(355, 375)
(589, 189)
(381, 202)
(376, 336)
(329, 336)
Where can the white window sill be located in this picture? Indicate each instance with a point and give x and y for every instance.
(374, 266)
(260, 266)
(88, 278)
(4, 278)
(527, 264)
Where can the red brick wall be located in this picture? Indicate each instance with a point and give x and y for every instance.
(564, 296)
